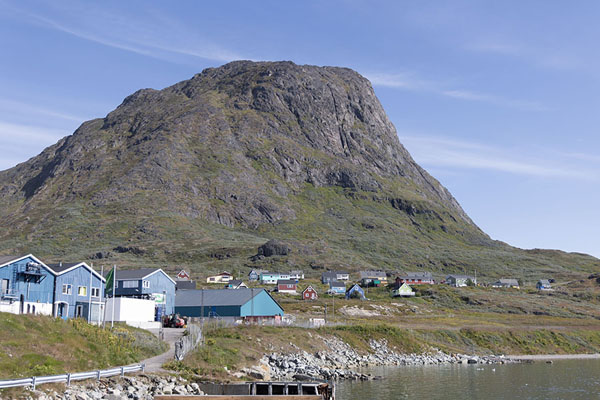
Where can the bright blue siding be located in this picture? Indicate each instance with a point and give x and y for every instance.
(35, 290)
(262, 306)
(77, 277)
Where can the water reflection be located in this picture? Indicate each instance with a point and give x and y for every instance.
(569, 379)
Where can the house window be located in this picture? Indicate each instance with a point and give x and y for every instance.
(95, 292)
(82, 291)
(67, 289)
(130, 284)
(146, 284)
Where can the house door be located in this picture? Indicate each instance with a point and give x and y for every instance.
(21, 304)
(79, 311)
(5, 284)
(63, 309)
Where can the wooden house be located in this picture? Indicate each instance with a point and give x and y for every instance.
(355, 292)
(182, 276)
(236, 284)
(147, 283)
(27, 285)
(297, 275)
(253, 305)
(506, 283)
(309, 293)
(331, 276)
(373, 278)
(271, 278)
(223, 277)
(460, 280)
(254, 275)
(289, 286)
(79, 292)
(403, 291)
(414, 278)
(336, 288)
(543, 284)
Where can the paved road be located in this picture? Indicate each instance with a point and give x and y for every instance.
(154, 364)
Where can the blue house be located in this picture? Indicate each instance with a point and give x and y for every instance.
(253, 305)
(78, 292)
(271, 278)
(147, 283)
(355, 292)
(27, 285)
(336, 287)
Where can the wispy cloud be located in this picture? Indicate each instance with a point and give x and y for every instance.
(443, 152)
(20, 142)
(154, 35)
(17, 107)
(539, 55)
(411, 82)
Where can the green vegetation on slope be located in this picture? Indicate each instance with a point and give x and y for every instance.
(38, 345)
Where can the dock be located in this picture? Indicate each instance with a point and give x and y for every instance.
(261, 391)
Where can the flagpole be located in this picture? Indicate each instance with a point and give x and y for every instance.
(112, 320)
(100, 308)
(89, 318)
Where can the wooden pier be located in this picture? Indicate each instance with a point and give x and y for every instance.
(261, 391)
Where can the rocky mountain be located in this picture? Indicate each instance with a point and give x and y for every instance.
(205, 171)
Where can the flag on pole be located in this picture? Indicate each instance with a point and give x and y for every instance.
(110, 278)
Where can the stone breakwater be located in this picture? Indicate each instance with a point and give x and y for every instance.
(341, 361)
(141, 387)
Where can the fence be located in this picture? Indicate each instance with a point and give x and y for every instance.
(188, 342)
(68, 378)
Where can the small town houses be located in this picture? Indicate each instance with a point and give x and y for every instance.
(309, 293)
(506, 283)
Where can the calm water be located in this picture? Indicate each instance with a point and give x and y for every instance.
(569, 379)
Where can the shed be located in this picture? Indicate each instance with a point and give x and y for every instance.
(355, 292)
(250, 304)
(309, 293)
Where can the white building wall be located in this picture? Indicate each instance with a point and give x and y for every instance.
(129, 310)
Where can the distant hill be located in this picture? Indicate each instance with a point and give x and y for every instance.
(200, 174)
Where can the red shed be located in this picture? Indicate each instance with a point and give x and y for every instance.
(309, 293)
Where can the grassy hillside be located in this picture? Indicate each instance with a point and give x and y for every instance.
(38, 345)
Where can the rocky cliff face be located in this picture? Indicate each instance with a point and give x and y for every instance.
(301, 153)
(245, 135)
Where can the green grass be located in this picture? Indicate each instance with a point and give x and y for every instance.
(39, 345)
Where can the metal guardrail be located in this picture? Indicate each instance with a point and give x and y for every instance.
(68, 378)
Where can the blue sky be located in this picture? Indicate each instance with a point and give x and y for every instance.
(498, 100)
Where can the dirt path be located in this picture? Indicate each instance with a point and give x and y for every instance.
(154, 364)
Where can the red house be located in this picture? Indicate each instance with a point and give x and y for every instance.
(309, 293)
(287, 286)
(414, 278)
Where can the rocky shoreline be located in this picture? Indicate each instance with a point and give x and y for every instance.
(341, 361)
(140, 387)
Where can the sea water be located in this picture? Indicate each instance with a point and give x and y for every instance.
(564, 379)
